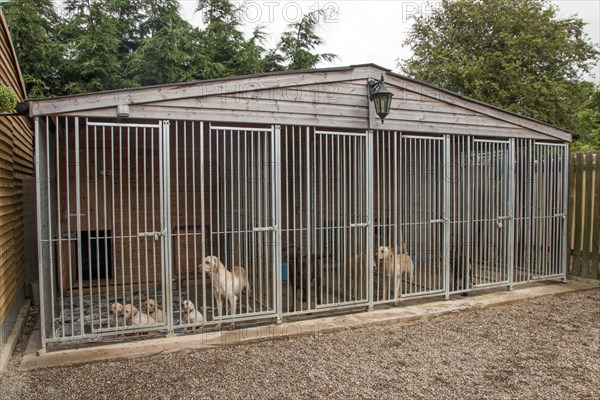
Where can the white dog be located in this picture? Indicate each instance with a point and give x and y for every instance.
(396, 265)
(135, 317)
(189, 313)
(226, 284)
(116, 309)
(152, 310)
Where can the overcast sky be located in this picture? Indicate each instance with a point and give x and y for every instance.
(362, 31)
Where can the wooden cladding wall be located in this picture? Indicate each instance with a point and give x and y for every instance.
(584, 215)
(16, 160)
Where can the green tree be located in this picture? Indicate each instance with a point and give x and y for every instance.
(34, 28)
(224, 48)
(298, 44)
(168, 49)
(92, 34)
(515, 54)
(588, 124)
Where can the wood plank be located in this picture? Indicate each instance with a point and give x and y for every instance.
(283, 106)
(230, 116)
(578, 238)
(275, 106)
(587, 197)
(595, 239)
(396, 80)
(69, 104)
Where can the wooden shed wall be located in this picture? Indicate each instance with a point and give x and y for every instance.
(16, 161)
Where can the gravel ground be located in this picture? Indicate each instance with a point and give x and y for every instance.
(543, 348)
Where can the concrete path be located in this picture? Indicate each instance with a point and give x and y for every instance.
(406, 311)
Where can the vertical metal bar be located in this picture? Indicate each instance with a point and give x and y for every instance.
(177, 229)
(368, 162)
(321, 226)
(89, 224)
(113, 219)
(69, 231)
(217, 207)
(511, 212)
(309, 209)
(238, 138)
(145, 192)
(130, 235)
(41, 261)
(253, 214)
(211, 214)
(478, 220)
(565, 200)
(166, 267)
(137, 208)
(232, 211)
(446, 202)
(542, 209)
(105, 215)
(79, 241)
(377, 213)
(59, 262)
(276, 199)
(247, 211)
(551, 211)
(185, 208)
(336, 195)
(346, 260)
(289, 222)
(195, 219)
(203, 221)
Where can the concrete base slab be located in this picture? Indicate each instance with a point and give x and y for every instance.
(405, 312)
(13, 338)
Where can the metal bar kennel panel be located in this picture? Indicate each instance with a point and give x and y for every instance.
(549, 210)
(101, 233)
(333, 270)
(224, 232)
(490, 189)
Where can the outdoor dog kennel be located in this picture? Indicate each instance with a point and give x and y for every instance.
(291, 177)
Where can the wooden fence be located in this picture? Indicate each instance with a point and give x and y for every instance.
(584, 215)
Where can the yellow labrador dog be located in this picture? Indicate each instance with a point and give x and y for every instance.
(226, 284)
(189, 313)
(152, 310)
(396, 265)
(134, 317)
(116, 309)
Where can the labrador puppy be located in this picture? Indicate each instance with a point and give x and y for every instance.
(134, 317)
(152, 310)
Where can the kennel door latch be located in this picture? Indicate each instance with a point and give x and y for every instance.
(154, 235)
(438, 221)
(500, 219)
(360, 225)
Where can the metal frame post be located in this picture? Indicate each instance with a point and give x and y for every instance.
(446, 217)
(565, 210)
(276, 236)
(511, 213)
(369, 210)
(41, 261)
(165, 218)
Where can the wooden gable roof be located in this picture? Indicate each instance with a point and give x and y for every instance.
(331, 97)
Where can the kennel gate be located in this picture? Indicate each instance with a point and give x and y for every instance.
(325, 233)
(130, 211)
